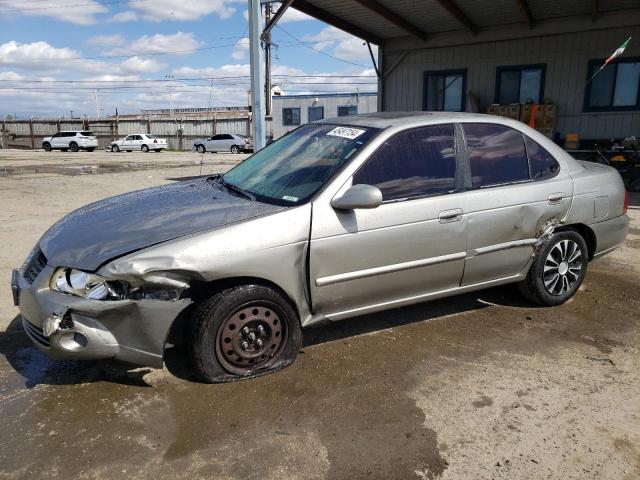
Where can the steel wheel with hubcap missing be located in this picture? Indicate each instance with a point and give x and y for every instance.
(562, 267)
(250, 338)
(242, 332)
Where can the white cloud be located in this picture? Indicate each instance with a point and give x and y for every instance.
(293, 15)
(124, 17)
(180, 10)
(344, 45)
(36, 55)
(13, 76)
(115, 40)
(63, 10)
(240, 49)
(159, 43)
(142, 65)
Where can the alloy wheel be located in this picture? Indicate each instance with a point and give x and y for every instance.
(562, 267)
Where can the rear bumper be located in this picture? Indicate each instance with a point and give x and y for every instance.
(610, 234)
(130, 330)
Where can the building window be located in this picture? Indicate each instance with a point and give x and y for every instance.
(520, 84)
(290, 116)
(445, 91)
(617, 87)
(496, 153)
(347, 110)
(414, 163)
(315, 113)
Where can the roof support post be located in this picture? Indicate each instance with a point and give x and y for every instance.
(257, 75)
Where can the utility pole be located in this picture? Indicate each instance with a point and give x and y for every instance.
(257, 79)
(267, 61)
(97, 105)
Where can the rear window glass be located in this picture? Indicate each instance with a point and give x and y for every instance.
(543, 165)
(86, 134)
(496, 153)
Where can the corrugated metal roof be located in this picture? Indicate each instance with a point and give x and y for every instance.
(432, 17)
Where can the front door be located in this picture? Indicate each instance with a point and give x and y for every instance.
(412, 245)
(517, 188)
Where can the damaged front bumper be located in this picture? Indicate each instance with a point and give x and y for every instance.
(64, 326)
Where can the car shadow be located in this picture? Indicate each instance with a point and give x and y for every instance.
(35, 368)
(177, 362)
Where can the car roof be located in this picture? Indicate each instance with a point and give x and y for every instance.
(390, 119)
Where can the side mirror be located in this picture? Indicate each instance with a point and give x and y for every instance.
(358, 196)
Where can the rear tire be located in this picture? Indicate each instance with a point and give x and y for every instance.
(46, 146)
(634, 186)
(90, 149)
(243, 332)
(158, 150)
(144, 148)
(73, 146)
(201, 149)
(235, 149)
(557, 270)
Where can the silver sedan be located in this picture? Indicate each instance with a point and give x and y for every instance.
(336, 219)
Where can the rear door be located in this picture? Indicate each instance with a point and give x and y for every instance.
(412, 245)
(515, 188)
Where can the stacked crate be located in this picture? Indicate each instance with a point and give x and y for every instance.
(544, 118)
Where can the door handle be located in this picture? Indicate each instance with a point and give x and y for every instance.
(447, 216)
(555, 198)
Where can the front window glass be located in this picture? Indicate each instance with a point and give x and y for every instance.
(293, 168)
(496, 154)
(86, 134)
(413, 163)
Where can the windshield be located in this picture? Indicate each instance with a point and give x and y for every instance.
(293, 168)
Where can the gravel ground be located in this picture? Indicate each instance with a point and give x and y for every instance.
(480, 386)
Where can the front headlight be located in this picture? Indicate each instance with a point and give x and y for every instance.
(87, 285)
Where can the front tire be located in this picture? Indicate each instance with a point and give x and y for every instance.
(46, 146)
(115, 148)
(145, 149)
(73, 146)
(235, 149)
(201, 149)
(558, 269)
(243, 332)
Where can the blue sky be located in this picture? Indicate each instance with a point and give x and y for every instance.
(122, 48)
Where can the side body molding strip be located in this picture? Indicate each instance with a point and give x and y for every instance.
(397, 267)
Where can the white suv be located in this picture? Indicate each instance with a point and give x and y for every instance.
(74, 141)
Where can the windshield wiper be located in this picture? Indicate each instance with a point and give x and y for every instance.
(235, 188)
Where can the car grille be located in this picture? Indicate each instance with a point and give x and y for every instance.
(35, 266)
(36, 333)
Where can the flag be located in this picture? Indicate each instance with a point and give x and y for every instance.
(619, 51)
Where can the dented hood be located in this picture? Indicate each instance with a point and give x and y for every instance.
(89, 237)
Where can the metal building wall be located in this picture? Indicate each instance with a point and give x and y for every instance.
(366, 102)
(566, 56)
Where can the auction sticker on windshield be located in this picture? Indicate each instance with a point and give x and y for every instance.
(346, 132)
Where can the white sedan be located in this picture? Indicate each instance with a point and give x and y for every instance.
(142, 141)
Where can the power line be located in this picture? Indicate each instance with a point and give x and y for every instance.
(162, 80)
(308, 45)
(58, 7)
